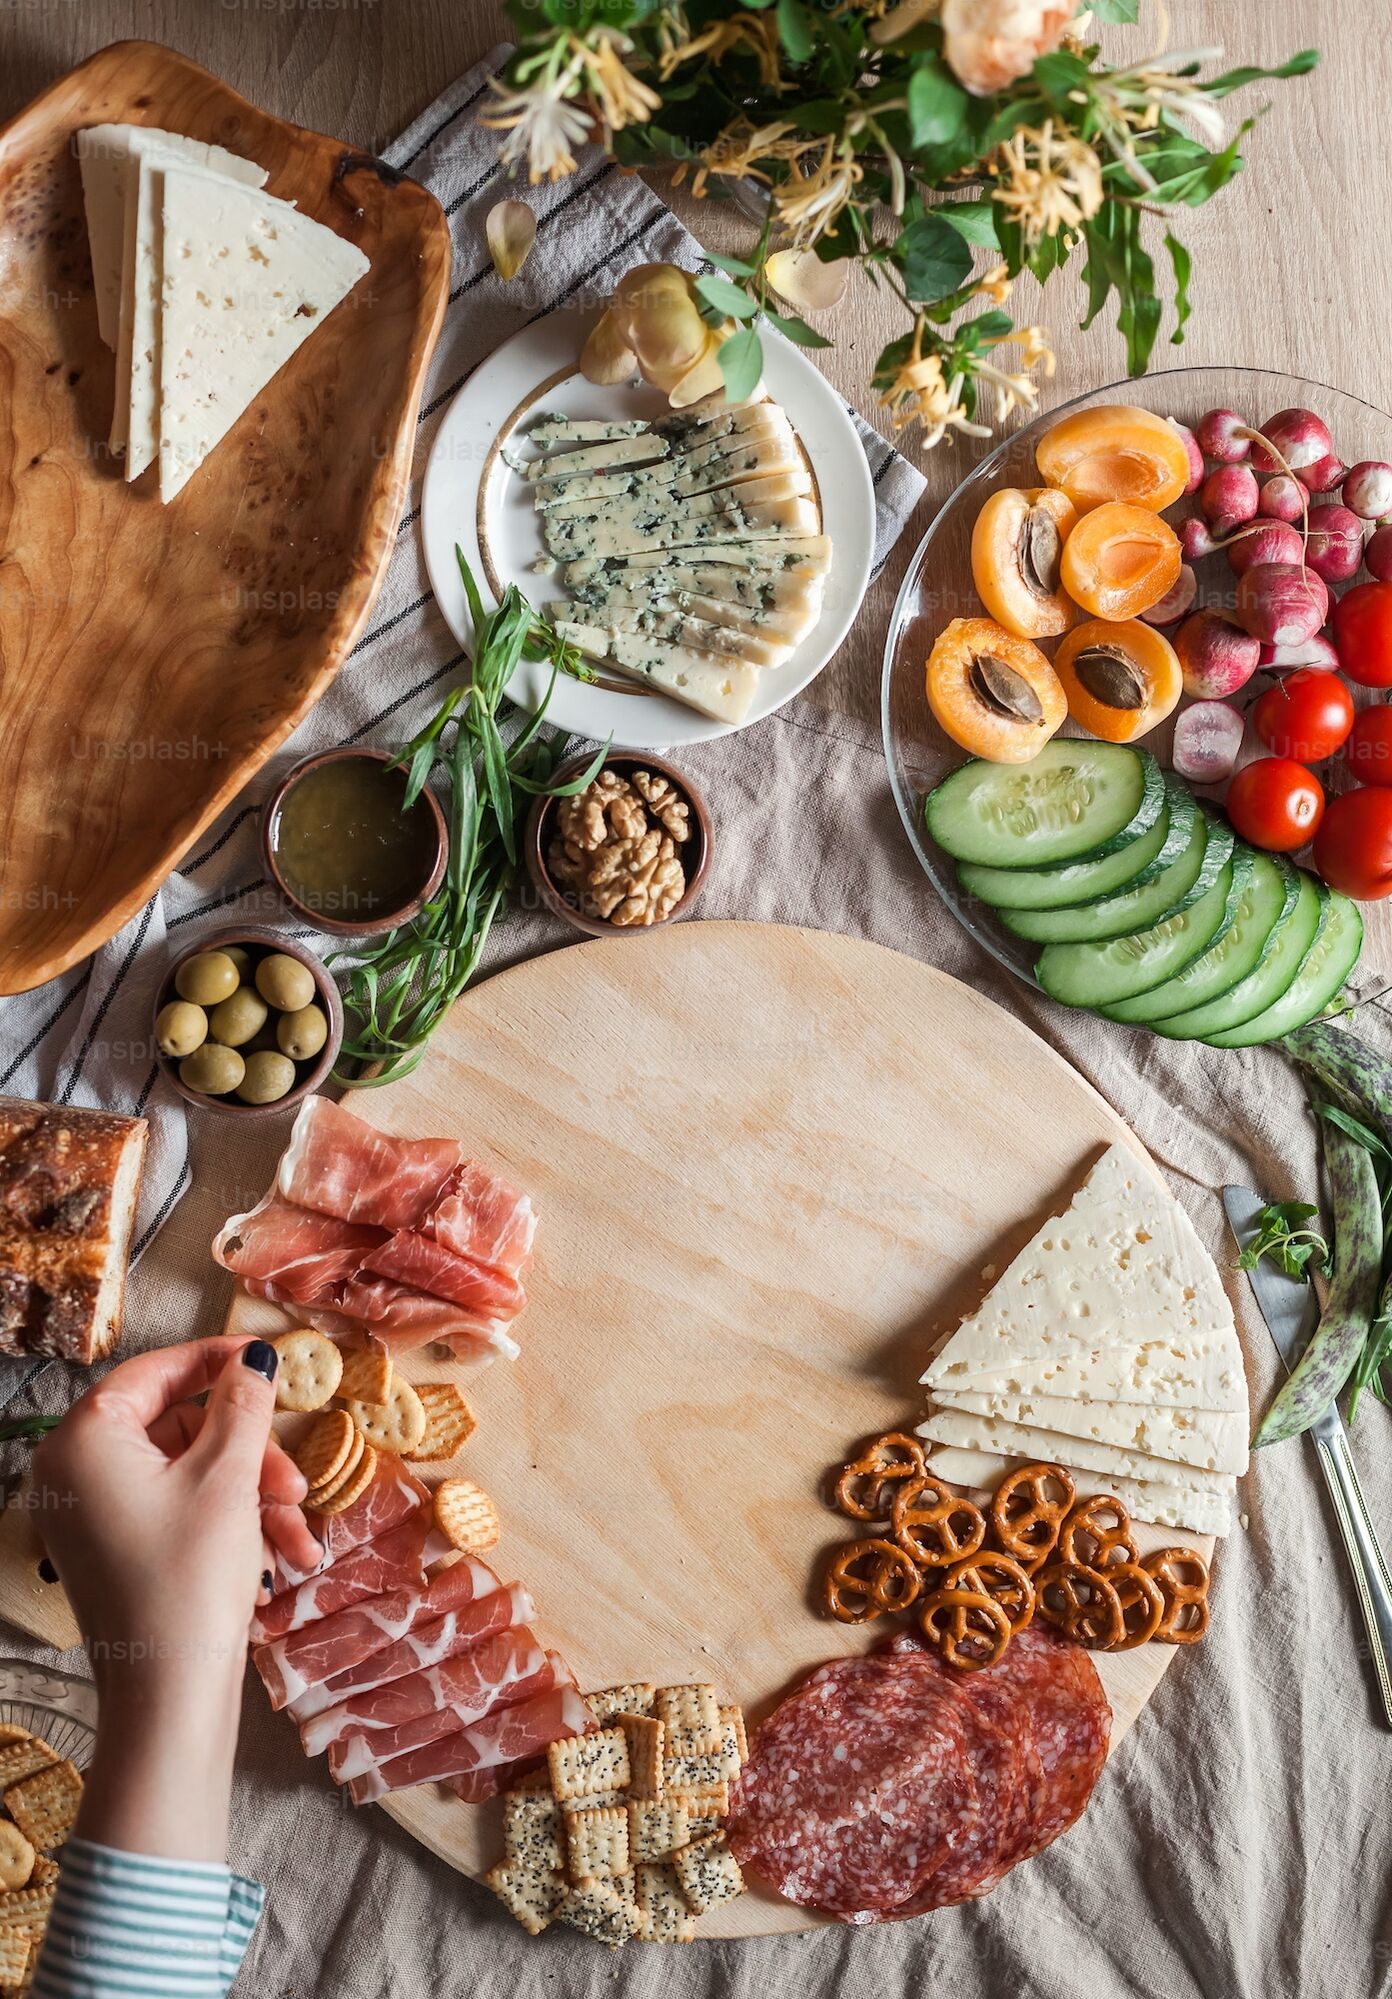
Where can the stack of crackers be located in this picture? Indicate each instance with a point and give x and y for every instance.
(621, 1835)
(366, 1407)
(41, 1793)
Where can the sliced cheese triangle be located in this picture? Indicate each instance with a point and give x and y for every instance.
(246, 280)
(1194, 1507)
(1198, 1372)
(1121, 1268)
(1212, 1440)
(964, 1430)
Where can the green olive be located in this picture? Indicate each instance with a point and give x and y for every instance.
(180, 1027)
(235, 1019)
(303, 1033)
(264, 1040)
(241, 958)
(212, 1069)
(267, 1077)
(285, 982)
(206, 979)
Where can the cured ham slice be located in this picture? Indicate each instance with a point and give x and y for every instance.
(340, 1166)
(504, 1669)
(430, 1644)
(398, 1558)
(307, 1658)
(507, 1736)
(393, 1494)
(483, 1218)
(306, 1256)
(414, 1258)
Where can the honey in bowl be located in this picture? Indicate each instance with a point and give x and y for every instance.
(344, 849)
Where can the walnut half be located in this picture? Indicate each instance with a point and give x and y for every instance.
(615, 847)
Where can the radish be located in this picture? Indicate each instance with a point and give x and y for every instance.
(1177, 600)
(1324, 475)
(1229, 499)
(1216, 657)
(1368, 489)
(1196, 539)
(1334, 546)
(1207, 739)
(1298, 438)
(1272, 541)
(1191, 446)
(1282, 498)
(1316, 651)
(1281, 602)
(1378, 553)
(1218, 436)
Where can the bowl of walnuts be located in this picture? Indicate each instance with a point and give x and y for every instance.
(627, 852)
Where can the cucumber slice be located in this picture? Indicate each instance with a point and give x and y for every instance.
(1323, 970)
(1279, 963)
(1131, 866)
(1264, 890)
(1098, 975)
(1077, 800)
(1135, 908)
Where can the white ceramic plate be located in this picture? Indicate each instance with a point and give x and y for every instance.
(473, 498)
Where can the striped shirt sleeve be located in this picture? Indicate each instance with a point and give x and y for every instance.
(128, 1926)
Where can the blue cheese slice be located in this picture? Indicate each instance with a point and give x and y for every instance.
(1204, 1439)
(1163, 1504)
(246, 280)
(676, 479)
(634, 526)
(639, 450)
(724, 689)
(702, 633)
(553, 431)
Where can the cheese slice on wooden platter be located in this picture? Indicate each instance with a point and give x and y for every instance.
(1206, 1439)
(964, 1430)
(246, 281)
(1200, 1510)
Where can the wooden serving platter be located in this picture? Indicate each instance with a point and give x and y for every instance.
(152, 658)
(771, 1166)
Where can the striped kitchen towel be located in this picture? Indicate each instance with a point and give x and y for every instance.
(85, 1038)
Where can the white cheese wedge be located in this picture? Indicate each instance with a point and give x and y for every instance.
(628, 532)
(1213, 1439)
(104, 152)
(1196, 1371)
(706, 635)
(554, 431)
(723, 689)
(1163, 1505)
(638, 450)
(1121, 1267)
(247, 279)
(967, 1431)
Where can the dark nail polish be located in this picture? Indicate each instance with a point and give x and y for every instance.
(47, 1572)
(266, 1580)
(263, 1357)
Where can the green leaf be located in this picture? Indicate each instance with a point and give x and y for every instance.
(795, 30)
(796, 329)
(1058, 74)
(741, 363)
(937, 104)
(1237, 79)
(1183, 266)
(736, 266)
(933, 258)
(726, 299)
(1113, 13)
(1283, 1236)
(974, 221)
(471, 592)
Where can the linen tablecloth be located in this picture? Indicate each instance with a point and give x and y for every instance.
(1239, 1841)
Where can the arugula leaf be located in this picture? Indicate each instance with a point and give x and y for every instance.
(1283, 1236)
(741, 361)
(937, 104)
(933, 258)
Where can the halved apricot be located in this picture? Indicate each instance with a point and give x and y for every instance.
(1121, 680)
(994, 693)
(1120, 560)
(1115, 452)
(1017, 545)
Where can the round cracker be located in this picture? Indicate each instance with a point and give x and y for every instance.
(396, 1425)
(353, 1487)
(330, 1487)
(466, 1516)
(16, 1857)
(323, 1450)
(311, 1367)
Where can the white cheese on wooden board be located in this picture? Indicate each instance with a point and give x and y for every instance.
(721, 688)
(247, 280)
(1121, 1266)
(966, 1430)
(1215, 1440)
(1198, 1371)
(645, 528)
(1191, 1507)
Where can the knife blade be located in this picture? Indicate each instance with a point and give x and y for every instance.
(1291, 1312)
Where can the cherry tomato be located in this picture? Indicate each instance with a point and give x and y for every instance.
(1353, 848)
(1275, 803)
(1363, 634)
(1306, 715)
(1368, 752)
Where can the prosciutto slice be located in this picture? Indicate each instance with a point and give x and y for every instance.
(504, 1669)
(506, 1736)
(340, 1166)
(397, 1559)
(290, 1666)
(414, 1258)
(482, 1217)
(430, 1644)
(393, 1494)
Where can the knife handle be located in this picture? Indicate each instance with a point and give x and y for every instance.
(1365, 1556)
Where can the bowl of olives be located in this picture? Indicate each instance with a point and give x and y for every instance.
(247, 1021)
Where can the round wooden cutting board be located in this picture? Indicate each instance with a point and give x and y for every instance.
(772, 1168)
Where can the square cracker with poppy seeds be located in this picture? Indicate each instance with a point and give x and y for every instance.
(598, 1842)
(599, 1910)
(449, 1421)
(657, 1827)
(645, 1736)
(534, 1832)
(44, 1805)
(691, 1716)
(528, 1893)
(709, 1874)
(665, 1915)
(610, 1702)
(582, 1766)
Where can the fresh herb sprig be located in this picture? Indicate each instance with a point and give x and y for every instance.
(27, 1427)
(1283, 1234)
(400, 989)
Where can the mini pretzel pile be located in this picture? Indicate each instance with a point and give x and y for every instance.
(974, 1579)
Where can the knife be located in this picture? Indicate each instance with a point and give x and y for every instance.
(1291, 1311)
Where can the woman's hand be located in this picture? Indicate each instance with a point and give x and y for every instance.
(162, 1518)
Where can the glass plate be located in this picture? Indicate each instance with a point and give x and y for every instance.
(61, 1709)
(938, 587)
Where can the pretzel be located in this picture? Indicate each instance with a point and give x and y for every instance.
(865, 1486)
(1182, 1578)
(868, 1579)
(1097, 1534)
(967, 1628)
(934, 1525)
(1142, 1604)
(1025, 1518)
(1001, 1578)
(1083, 1604)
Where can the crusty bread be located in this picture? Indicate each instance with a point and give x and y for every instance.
(69, 1179)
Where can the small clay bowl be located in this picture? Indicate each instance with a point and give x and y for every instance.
(309, 1076)
(695, 852)
(367, 926)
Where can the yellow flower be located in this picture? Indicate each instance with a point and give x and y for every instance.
(1049, 181)
(622, 99)
(753, 34)
(920, 394)
(1017, 389)
(996, 285)
(808, 203)
(734, 153)
(542, 127)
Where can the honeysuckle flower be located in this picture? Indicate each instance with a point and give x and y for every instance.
(1050, 179)
(809, 202)
(621, 97)
(749, 34)
(920, 393)
(543, 127)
